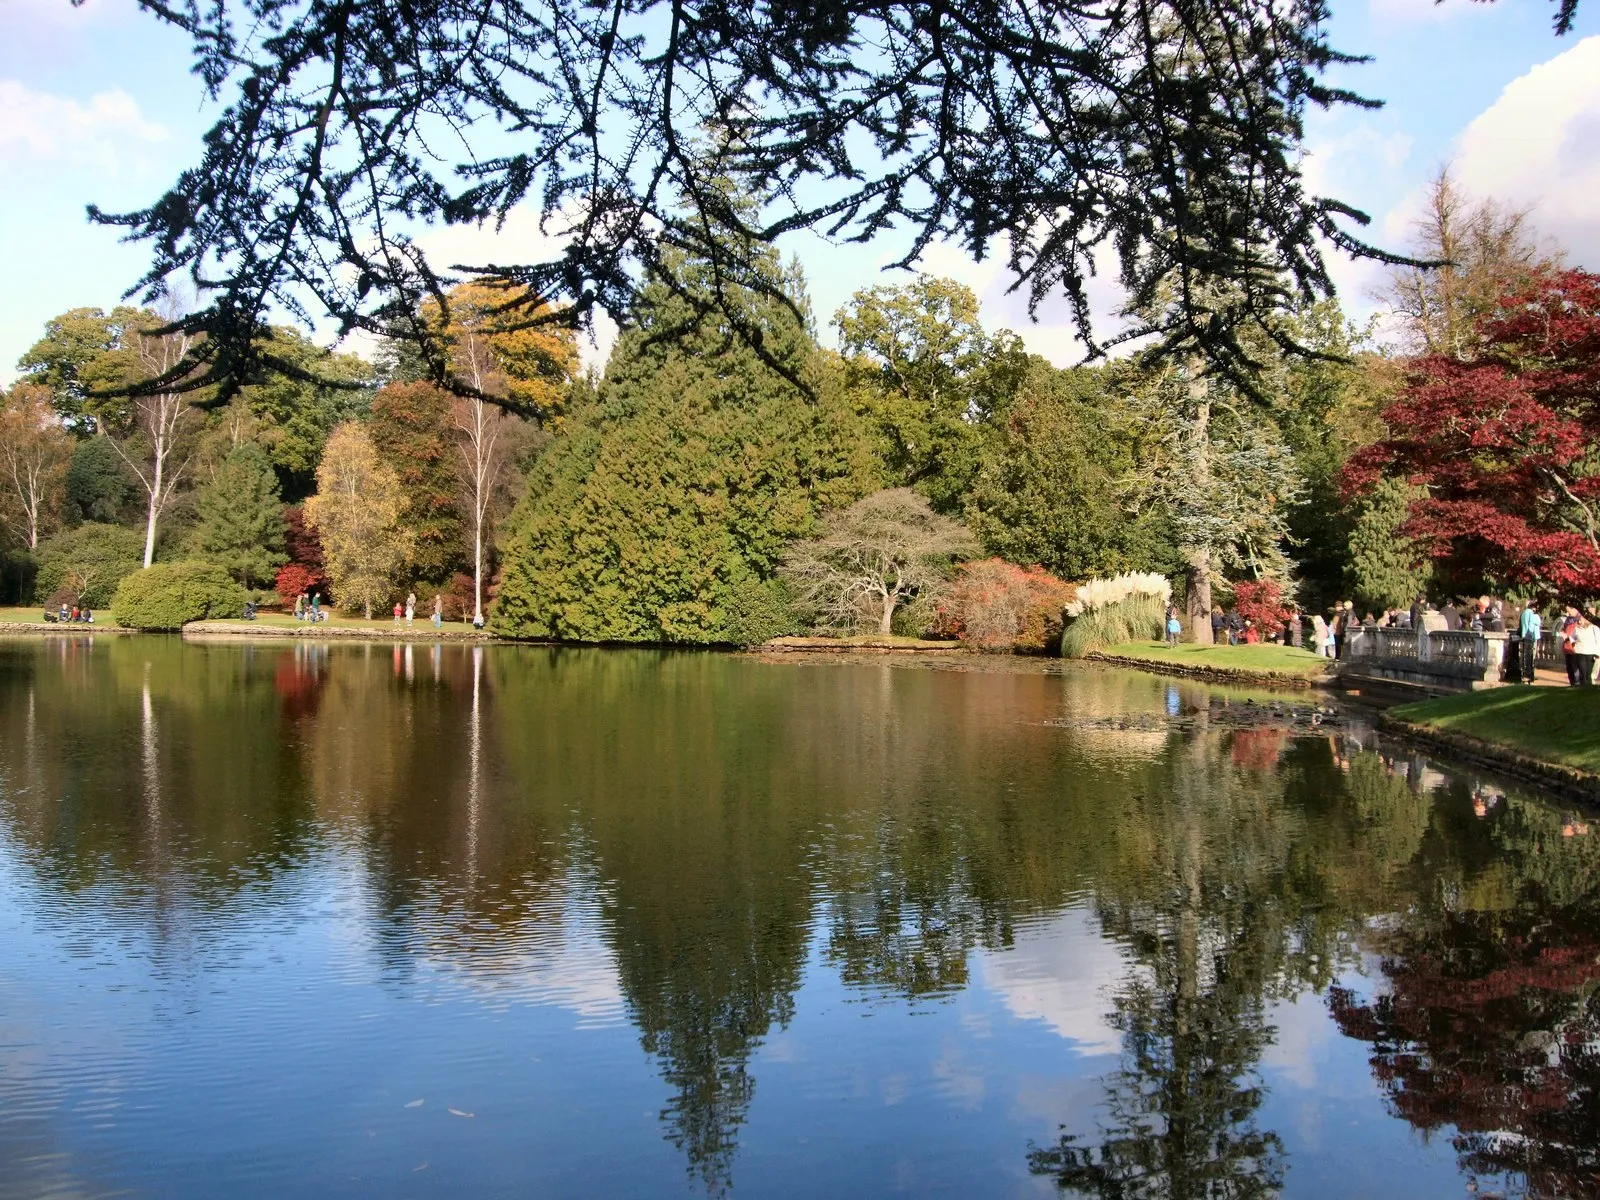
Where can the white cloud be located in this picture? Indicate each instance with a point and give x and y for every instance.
(1061, 973)
(1539, 145)
(41, 130)
(517, 242)
(1054, 335)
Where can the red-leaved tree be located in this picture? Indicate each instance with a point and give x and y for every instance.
(1506, 445)
(1261, 602)
(296, 580)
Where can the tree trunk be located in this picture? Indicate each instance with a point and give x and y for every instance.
(1197, 598)
(150, 519)
(477, 569)
(886, 620)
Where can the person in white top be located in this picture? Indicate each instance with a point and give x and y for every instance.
(1586, 644)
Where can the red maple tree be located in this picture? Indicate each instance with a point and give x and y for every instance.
(1507, 444)
(1261, 601)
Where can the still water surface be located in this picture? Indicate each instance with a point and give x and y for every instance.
(312, 920)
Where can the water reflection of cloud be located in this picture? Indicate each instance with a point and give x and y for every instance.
(1300, 1043)
(556, 955)
(1060, 972)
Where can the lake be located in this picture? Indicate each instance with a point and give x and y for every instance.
(313, 919)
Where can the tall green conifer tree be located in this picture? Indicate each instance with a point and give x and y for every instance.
(661, 512)
(241, 518)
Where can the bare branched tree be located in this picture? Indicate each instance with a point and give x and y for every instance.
(873, 557)
(1486, 249)
(161, 417)
(34, 451)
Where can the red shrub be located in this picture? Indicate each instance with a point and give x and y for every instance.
(1261, 602)
(296, 580)
(996, 605)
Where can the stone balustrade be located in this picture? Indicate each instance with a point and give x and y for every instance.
(1457, 659)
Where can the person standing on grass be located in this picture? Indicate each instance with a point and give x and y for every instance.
(1568, 628)
(1586, 641)
(1529, 629)
(411, 606)
(438, 610)
(1174, 625)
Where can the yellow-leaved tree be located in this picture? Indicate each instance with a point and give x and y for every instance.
(359, 513)
(524, 368)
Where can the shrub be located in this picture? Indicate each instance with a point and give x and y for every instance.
(1137, 616)
(1262, 603)
(758, 611)
(170, 595)
(88, 562)
(996, 605)
(297, 579)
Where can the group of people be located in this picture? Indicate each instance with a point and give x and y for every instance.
(409, 609)
(1580, 636)
(71, 614)
(1328, 636)
(308, 607)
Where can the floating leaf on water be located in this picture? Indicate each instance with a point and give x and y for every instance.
(456, 1112)
(414, 1104)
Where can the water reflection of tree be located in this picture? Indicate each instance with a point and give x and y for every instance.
(148, 769)
(1490, 1021)
(1207, 915)
(672, 772)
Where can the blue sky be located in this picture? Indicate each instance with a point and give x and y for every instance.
(96, 104)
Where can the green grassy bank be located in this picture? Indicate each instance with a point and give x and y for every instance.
(1553, 725)
(1263, 659)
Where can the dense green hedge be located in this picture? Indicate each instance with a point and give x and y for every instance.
(88, 562)
(170, 595)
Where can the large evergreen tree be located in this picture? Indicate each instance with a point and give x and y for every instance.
(1048, 484)
(241, 518)
(662, 510)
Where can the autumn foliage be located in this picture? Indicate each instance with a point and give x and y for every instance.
(296, 580)
(1506, 444)
(996, 605)
(1261, 602)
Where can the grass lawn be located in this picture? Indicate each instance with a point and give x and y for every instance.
(1559, 725)
(868, 640)
(1264, 657)
(29, 616)
(338, 620)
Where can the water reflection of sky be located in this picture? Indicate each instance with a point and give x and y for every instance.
(173, 1075)
(338, 970)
